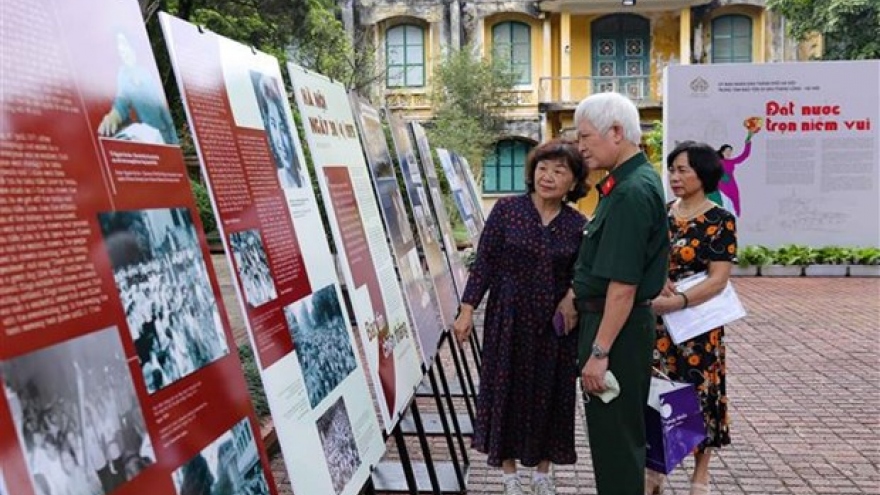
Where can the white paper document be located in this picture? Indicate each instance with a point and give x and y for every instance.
(687, 323)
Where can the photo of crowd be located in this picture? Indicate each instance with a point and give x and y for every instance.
(340, 448)
(320, 337)
(253, 267)
(77, 415)
(230, 465)
(165, 291)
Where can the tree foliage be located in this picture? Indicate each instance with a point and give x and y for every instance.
(469, 95)
(306, 31)
(267, 25)
(203, 203)
(654, 146)
(322, 45)
(850, 28)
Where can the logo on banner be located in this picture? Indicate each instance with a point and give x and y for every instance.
(699, 86)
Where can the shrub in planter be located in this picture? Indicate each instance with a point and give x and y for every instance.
(865, 262)
(789, 261)
(866, 256)
(830, 261)
(750, 260)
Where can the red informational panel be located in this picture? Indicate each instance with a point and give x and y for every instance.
(277, 248)
(416, 282)
(377, 301)
(116, 357)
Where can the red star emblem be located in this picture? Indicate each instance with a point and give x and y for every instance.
(607, 185)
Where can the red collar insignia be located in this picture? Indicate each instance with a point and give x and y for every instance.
(607, 185)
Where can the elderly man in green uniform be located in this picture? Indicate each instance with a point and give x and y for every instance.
(621, 266)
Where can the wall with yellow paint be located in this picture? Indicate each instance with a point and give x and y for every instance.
(665, 49)
(555, 57)
(581, 55)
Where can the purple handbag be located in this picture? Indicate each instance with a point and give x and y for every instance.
(673, 423)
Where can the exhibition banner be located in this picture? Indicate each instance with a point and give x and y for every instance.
(426, 224)
(464, 170)
(464, 200)
(278, 254)
(118, 365)
(417, 287)
(801, 156)
(456, 264)
(364, 256)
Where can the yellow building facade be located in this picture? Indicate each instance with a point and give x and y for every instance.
(561, 51)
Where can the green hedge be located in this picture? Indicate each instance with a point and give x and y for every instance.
(203, 203)
(254, 383)
(799, 255)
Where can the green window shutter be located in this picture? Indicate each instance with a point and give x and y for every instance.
(512, 46)
(731, 39)
(504, 167)
(405, 56)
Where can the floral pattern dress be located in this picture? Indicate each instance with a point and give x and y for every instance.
(526, 402)
(701, 361)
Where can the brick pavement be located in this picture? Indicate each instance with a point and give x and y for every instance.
(803, 383)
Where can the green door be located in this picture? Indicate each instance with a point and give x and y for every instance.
(621, 48)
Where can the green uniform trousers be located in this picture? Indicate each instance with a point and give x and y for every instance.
(617, 429)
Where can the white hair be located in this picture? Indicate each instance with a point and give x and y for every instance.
(603, 110)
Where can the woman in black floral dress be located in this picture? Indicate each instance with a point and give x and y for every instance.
(525, 407)
(703, 239)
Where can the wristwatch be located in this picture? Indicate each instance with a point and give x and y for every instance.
(598, 352)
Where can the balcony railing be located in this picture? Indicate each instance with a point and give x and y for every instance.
(570, 90)
(411, 100)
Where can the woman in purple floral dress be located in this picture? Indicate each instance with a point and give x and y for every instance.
(525, 406)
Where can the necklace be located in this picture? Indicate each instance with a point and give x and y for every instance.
(700, 208)
(547, 217)
(545, 213)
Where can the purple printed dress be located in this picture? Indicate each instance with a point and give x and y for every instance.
(525, 406)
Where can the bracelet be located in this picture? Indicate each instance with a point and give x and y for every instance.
(685, 297)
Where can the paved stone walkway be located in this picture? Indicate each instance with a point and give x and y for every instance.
(804, 385)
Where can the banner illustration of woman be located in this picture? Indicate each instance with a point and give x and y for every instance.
(727, 195)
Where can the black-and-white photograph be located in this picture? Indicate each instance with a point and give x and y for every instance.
(425, 217)
(395, 212)
(322, 343)
(77, 415)
(230, 465)
(340, 448)
(272, 100)
(165, 292)
(253, 267)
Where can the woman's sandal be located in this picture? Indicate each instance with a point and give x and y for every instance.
(654, 482)
(699, 488)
